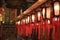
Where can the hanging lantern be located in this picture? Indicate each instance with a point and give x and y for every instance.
(39, 16)
(43, 13)
(28, 19)
(33, 18)
(48, 12)
(56, 20)
(56, 8)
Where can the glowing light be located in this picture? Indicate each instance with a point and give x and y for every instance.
(48, 11)
(1, 17)
(41, 0)
(3, 22)
(33, 18)
(48, 21)
(39, 15)
(55, 19)
(18, 22)
(43, 12)
(56, 8)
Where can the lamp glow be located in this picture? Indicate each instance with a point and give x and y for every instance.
(39, 15)
(43, 12)
(33, 18)
(48, 21)
(1, 17)
(3, 22)
(18, 22)
(55, 19)
(56, 8)
(48, 11)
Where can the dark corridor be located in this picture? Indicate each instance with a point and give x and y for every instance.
(8, 32)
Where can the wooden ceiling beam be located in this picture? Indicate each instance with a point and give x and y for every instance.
(35, 5)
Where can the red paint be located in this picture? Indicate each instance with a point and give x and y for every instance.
(57, 28)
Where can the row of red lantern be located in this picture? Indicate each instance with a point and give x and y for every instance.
(45, 13)
(39, 21)
(34, 18)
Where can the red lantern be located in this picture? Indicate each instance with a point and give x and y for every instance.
(33, 18)
(56, 19)
(39, 16)
(38, 24)
(18, 27)
(27, 26)
(23, 26)
(48, 12)
(56, 8)
(43, 13)
(50, 23)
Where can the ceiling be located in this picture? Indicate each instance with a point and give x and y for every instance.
(14, 3)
